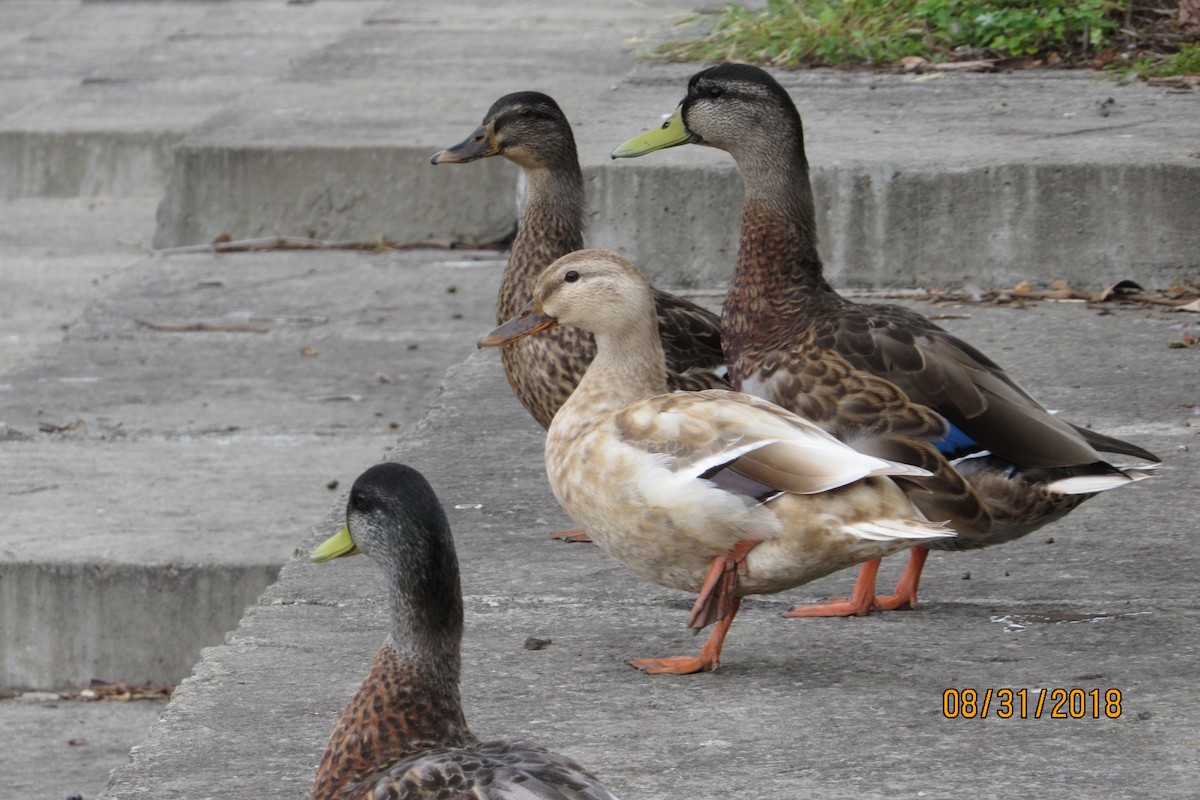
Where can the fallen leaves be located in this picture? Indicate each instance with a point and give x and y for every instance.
(118, 692)
(1122, 293)
(99, 691)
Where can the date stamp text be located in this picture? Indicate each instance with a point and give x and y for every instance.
(1057, 703)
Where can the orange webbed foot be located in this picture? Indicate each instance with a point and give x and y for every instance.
(905, 597)
(680, 665)
(574, 535)
(859, 604)
(710, 654)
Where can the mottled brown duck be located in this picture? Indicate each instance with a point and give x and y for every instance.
(713, 492)
(403, 734)
(792, 339)
(529, 129)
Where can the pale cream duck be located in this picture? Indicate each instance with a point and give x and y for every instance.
(714, 492)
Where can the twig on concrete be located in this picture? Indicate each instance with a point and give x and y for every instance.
(198, 327)
(305, 243)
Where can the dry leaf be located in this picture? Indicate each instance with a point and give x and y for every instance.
(1122, 287)
(49, 427)
(1189, 12)
(1193, 307)
(308, 351)
(913, 63)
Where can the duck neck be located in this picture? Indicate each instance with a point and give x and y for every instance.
(551, 226)
(778, 270)
(410, 700)
(401, 708)
(629, 365)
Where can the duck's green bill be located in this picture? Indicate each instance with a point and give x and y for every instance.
(336, 546)
(527, 322)
(670, 134)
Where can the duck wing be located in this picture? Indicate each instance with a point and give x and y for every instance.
(497, 770)
(875, 417)
(691, 340)
(746, 445)
(979, 399)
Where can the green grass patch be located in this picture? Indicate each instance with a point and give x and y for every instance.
(1185, 62)
(791, 33)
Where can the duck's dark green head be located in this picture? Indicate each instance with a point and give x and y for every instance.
(395, 518)
(729, 106)
(527, 128)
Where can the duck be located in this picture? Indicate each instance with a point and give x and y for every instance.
(404, 733)
(789, 336)
(713, 492)
(530, 129)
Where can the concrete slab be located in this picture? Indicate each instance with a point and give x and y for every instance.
(342, 145)
(1091, 603)
(134, 436)
(146, 75)
(983, 178)
(55, 253)
(56, 749)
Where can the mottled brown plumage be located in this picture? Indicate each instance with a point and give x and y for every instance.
(530, 129)
(791, 338)
(403, 734)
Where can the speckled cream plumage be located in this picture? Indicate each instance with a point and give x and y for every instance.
(792, 339)
(714, 492)
(529, 129)
(403, 734)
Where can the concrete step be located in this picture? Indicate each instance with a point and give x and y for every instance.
(55, 748)
(255, 714)
(984, 178)
(96, 95)
(162, 453)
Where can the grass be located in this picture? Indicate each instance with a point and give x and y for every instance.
(1185, 62)
(795, 33)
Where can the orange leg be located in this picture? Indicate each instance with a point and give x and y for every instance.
(577, 535)
(720, 585)
(859, 604)
(717, 602)
(709, 656)
(906, 589)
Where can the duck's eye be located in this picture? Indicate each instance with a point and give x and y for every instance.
(715, 91)
(571, 276)
(360, 501)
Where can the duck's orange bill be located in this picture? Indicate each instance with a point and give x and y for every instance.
(529, 320)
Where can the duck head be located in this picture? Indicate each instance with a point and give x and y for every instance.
(729, 106)
(596, 290)
(527, 128)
